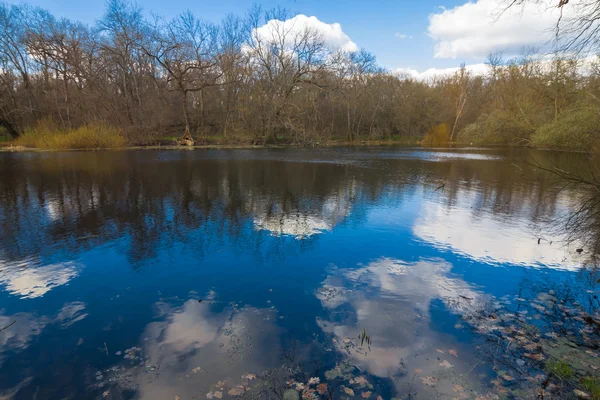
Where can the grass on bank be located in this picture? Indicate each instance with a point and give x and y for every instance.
(46, 135)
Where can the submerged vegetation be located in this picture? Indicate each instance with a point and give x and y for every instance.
(237, 83)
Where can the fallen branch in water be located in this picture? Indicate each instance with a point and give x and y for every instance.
(8, 326)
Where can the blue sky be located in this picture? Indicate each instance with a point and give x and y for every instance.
(464, 30)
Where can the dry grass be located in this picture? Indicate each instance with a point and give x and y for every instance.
(92, 136)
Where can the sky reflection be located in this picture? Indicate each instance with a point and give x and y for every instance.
(157, 275)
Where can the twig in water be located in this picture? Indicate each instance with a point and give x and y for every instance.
(8, 326)
(472, 368)
(410, 387)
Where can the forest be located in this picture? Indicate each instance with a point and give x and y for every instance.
(133, 80)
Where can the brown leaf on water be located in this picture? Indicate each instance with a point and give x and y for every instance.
(537, 357)
(446, 364)
(453, 353)
(496, 382)
(580, 394)
(508, 378)
(220, 384)
(313, 381)
(348, 391)
(429, 381)
(366, 395)
(219, 395)
(440, 351)
(250, 377)
(361, 380)
(458, 388)
(210, 395)
(322, 388)
(591, 353)
(237, 391)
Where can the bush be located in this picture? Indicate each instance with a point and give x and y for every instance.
(439, 135)
(577, 130)
(497, 128)
(92, 136)
(4, 136)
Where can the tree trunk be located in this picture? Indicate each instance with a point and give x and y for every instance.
(187, 139)
(10, 128)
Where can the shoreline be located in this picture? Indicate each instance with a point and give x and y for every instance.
(7, 148)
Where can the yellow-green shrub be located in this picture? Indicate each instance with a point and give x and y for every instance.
(497, 128)
(576, 130)
(92, 136)
(439, 135)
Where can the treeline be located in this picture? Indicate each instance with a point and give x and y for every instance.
(241, 81)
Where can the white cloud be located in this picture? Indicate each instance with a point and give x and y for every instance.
(585, 66)
(332, 34)
(474, 69)
(403, 36)
(478, 28)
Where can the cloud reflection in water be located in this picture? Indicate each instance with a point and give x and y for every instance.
(394, 302)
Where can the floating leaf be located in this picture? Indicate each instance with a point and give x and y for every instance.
(537, 357)
(429, 381)
(440, 351)
(580, 394)
(348, 391)
(508, 378)
(531, 347)
(219, 395)
(361, 380)
(366, 395)
(237, 391)
(453, 353)
(322, 388)
(252, 376)
(446, 364)
(210, 395)
(458, 388)
(314, 381)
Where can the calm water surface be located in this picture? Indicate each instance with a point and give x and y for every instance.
(183, 274)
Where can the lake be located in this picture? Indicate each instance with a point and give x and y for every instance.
(275, 273)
